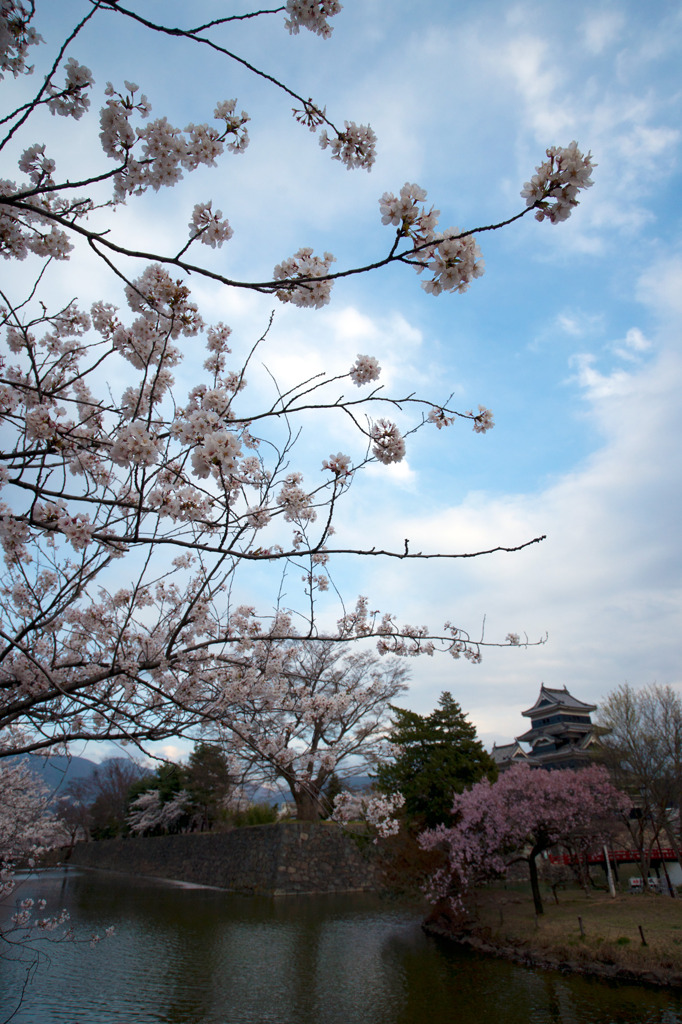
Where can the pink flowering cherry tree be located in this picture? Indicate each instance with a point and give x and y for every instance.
(136, 501)
(524, 813)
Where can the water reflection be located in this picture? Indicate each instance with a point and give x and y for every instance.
(198, 956)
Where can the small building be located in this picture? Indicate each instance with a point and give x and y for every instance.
(560, 735)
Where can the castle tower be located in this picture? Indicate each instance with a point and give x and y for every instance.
(561, 730)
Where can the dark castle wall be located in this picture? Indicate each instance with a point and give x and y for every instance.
(271, 859)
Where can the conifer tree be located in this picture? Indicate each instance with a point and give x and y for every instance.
(436, 756)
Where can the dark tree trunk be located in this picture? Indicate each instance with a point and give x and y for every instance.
(308, 807)
(534, 882)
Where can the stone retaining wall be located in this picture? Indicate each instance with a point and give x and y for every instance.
(272, 859)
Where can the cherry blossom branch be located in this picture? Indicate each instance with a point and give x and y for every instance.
(45, 86)
(97, 239)
(192, 35)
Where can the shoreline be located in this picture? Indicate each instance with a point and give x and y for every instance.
(604, 963)
(525, 957)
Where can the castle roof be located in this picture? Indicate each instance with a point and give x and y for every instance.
(550, 699)
(507, 752)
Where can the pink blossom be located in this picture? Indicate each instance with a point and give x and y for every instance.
(438, 416)
(389, 444)
(338, 464)
(554, 188)
(295, 502)
(454, 262)
(16, 35)
(209, 227)
(495, 822)
(71, 100)
(364, 370)
(355, 147)
(483, 419)
(308, 269)
(135, 445)
(403, 212)
(311, 14)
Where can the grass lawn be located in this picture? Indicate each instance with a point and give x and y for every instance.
(610, 931)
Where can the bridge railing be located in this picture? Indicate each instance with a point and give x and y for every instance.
(619, 856)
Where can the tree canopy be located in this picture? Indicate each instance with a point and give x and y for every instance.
(435, 756)
(516, 818)
(640, 742)
(323, 713)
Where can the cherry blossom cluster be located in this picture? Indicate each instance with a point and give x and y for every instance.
(376, 810)
(438, 416)
(296, 503)
(16, 35)
(77, 529)
(72, 100)
(454, 262)
(15, 535)
(364, 370)
(25, 918)
(28, 231)
(164, 150)
(338, 464)
(453, 257)
(309, 269)
(354, 147)
(388, 443)
(209, 227)
(39, 167)
(461, 646)
(311, 14)
(403, 641)
(483, 419)
(404, 212)
(554, 187)
(149, 814)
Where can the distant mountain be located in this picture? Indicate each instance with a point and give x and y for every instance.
(57, 770)
(279, 794)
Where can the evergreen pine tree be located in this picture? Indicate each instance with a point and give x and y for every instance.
(437, 756)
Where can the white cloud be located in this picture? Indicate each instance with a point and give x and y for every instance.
(398, 474)
(597, 385)
(577, 323)
(632, 346)
(605, 584)
(602, 29)
(660, 287)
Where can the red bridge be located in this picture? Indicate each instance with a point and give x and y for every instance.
(619, 856)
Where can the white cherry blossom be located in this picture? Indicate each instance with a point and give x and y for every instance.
(389, 444)
(364, 370)
(311, 14)
(554, 187)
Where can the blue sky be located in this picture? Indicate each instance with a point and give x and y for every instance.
(572, 337)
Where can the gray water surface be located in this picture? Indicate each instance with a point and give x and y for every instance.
(202, 956)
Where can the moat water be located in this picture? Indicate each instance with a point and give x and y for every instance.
(201, 956)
